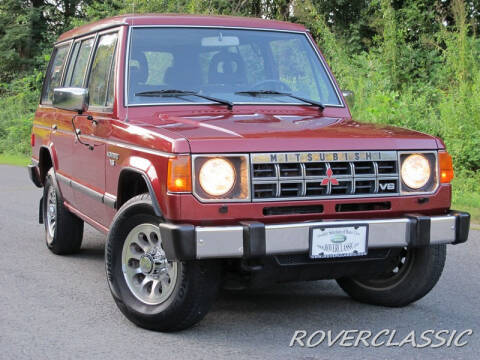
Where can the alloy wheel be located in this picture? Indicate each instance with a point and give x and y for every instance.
(149, 275)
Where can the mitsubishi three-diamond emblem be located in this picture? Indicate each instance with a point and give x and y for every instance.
(329, 178)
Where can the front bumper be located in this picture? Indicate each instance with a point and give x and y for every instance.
(252, 239)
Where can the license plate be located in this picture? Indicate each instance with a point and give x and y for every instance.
(338, 241)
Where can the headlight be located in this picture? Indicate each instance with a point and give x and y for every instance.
(217, 177)
(416, 171)
(221, 177)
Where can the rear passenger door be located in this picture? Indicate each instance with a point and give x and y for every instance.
(60, 133)
(75, 75)
(94, 127)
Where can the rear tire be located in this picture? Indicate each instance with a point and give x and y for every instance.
(63, 230)
(150, 291)
(412, 274)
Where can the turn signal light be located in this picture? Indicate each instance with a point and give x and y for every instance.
(446, 167)
(179, 177)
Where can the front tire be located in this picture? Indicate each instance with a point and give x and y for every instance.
(63, 230)
(412, 273)
(150, 291)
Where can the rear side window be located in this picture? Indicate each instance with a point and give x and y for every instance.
(78, 63)
(54, 74)
(100, 86)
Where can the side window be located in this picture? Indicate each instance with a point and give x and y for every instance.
(54, 75)
(100, 86)
(110, 86)
(71, 63)
(78, 64)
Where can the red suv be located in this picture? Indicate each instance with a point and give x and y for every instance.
(220, 151)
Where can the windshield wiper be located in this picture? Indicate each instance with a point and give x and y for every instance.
(273, 92)
(179, 93)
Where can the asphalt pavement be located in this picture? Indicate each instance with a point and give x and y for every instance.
(59, 307)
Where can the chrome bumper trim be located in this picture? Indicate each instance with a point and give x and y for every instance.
(228, 241)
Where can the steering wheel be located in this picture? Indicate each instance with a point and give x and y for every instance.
(271, 84)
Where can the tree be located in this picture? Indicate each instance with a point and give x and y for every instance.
(21, 39)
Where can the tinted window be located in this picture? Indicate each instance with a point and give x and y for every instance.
(78, 64)
(54, 76)
(101, 77)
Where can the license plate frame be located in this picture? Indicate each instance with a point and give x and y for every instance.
(313, 242)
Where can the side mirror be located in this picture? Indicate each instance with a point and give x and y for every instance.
(349, 97)
(73, 99)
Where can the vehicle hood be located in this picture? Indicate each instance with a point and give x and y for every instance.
(263, 132)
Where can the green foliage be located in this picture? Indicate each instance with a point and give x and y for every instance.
(19, 40)
(18, 105)
(18, 160)
(466, 193)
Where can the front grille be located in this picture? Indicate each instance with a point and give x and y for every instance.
(324, 175)
(265, 190)
(291, 189)
(264, 171)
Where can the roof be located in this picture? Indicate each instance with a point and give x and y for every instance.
(180, 19)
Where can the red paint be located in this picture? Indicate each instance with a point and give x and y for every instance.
(138, 133)
(194, 212)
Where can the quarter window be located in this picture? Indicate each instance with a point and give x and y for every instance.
(101, 82)
(54, 75)
(78, 63)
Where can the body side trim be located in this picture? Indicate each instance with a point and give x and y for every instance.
(106, 198)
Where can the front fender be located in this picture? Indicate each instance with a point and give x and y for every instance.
(149, 175)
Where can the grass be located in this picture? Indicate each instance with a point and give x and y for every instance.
(466, 194)
(469, 202)
(18, 160)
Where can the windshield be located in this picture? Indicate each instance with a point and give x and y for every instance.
(238, 66)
